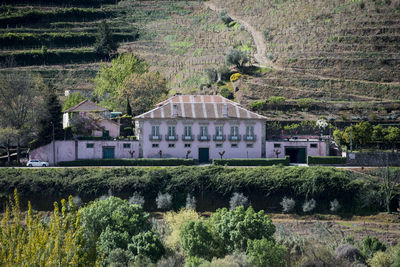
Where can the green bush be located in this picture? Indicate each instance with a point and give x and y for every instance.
(265, 252)
(252, 162)
(225, 92)
(371, 245)
(257, 105)
(128, 162)
(326, 160)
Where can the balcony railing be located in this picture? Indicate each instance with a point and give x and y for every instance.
(203, 137)
(234, 137)
(251, 138)
(219, 137)
(187, 137)
(155, 137)
(171, 137)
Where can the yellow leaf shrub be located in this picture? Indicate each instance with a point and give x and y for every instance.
(235, 77)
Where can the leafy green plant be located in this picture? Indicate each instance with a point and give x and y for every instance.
(264, 252)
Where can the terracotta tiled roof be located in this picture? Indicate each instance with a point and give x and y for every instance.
(199, 107)
(86, 106)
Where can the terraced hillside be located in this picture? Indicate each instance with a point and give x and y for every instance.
(337, 50)
(178, 38)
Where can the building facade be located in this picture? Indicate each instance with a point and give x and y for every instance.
(202, 127)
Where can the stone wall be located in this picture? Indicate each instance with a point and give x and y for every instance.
(373, 159)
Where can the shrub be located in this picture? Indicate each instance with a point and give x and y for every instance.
(164, 201)
(335, 205)
(190, 202)
(223, 15)
(137, 199)
(276, 100)
(252, 162)
(235, 77)
(305, 102)
(266, 35)
(176, 259)
(349, 253)
(237, 227)
(237, 200)
(175, 221)
(225, 72)
(147, 244)
(225, 92)
(370, 245)
(194, 262)
(233, 260)
(309, 205)
(288, 204)
(197, 240)
(326, 160)
(128, 162)
(120, 257)
(237, 58)
(257, 105)
(212, 75)
(381, 259)
(264, 252)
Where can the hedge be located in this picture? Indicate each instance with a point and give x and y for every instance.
(129, 162)
(212, 186)
(62, 39)
(94, 3)
(252, 162)
(326, 160)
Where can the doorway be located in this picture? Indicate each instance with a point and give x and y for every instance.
(204, 155)
(108, 152)
(296, 154)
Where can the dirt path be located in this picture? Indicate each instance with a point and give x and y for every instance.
(263, 61)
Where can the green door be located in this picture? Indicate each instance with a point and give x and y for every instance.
(108, 152)
(204, 155)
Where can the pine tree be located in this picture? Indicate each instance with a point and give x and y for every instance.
(104, 44)
(52, 116)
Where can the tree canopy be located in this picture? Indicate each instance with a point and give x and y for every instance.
(104, 44)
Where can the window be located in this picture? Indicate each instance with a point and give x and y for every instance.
(219, 130)
(154, 145)
(155, 130)
(188, 131)
(234, 131)
(89, 145)
(203, 130)
(127, 145)
(249, 130)
(249, 145)
(187, 145)
(218, 145)
(314, 145)
(234, 145)
(277, 145)
(171, 131)
(171, 145)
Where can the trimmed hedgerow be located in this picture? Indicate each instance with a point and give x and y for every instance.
(252, 162)
(326, 160)
(211, 186)
(129, 162)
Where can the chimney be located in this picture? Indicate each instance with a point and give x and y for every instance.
(175, 111)
(225, 111)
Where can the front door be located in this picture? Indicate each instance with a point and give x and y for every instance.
(108, 152)
(296, 154)
(204, 155)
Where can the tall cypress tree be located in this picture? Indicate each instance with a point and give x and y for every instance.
(128, 108)
(104, 44)
(52, 116)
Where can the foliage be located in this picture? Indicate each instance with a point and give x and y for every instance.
(194, 262)
(143, 91)
(288, 204)
(147, 244)
(137, 199)
(265, 252)
(175, 220)
(104, 44)
(72, 100)
(110, 79)
(237, 200)
(276, 100)
(197, 240)
(309, 205)
(164, 201)
(331, 160)
(190, 202)
(32, 242)
(252, 162)
(237, 58)
(381, 259)
(128, 162)
(257, 105)
(212, 75)
(335, 205)
(226, 19)
(224, 72)
(305, 102)
(233, 260)
(237, 227)
(370, 245)
(235, 77)
(349, 252)
(225, 92)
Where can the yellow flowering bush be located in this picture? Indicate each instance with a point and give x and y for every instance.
(235, 77)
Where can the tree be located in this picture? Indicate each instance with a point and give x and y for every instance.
(143, 91)
(104, 44)
(360, 133)
(51, 117)
(237, 57)
(110, 78)
(392, 136)
(19, 105)
(265, 252)
(7, 138)
(72, 100)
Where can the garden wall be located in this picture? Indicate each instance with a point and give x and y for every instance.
(373, 159)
